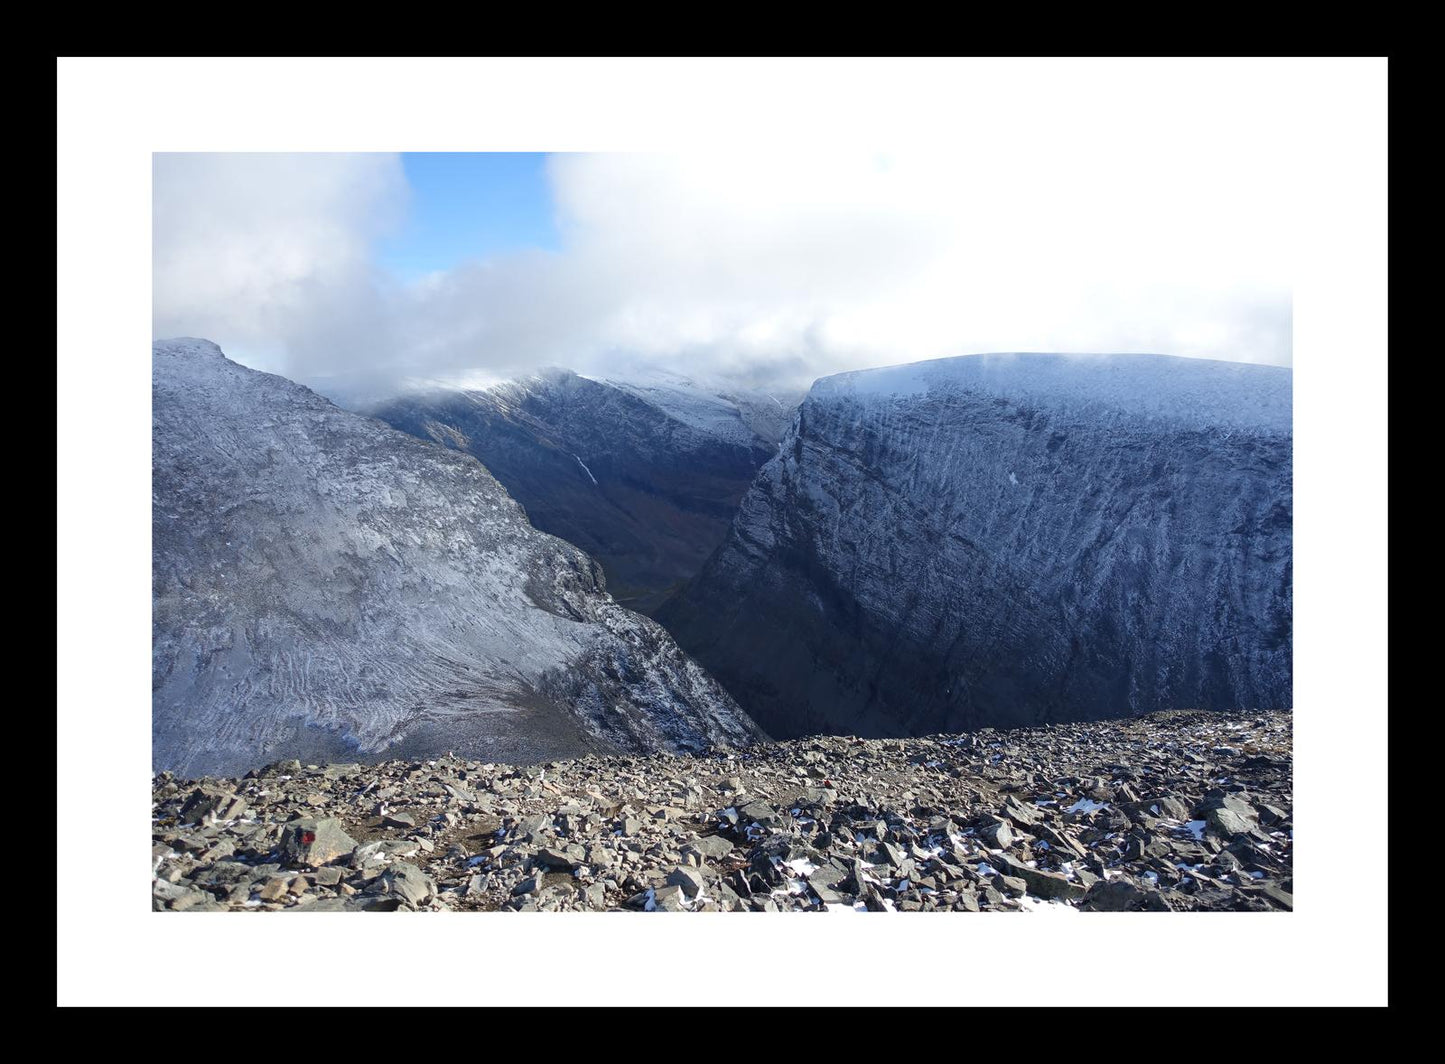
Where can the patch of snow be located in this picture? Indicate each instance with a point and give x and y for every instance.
(1029, 904)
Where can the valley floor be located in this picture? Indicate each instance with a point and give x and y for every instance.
(1172, 811)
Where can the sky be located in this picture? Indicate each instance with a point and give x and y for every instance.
(364, 273)
(465, 206)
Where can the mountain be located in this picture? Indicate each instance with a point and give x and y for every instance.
(1009, 540)
(644, 474)
(326, 587)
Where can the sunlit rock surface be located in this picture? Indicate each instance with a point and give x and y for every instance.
(327, 588)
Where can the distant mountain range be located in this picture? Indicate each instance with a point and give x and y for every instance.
(644, 474)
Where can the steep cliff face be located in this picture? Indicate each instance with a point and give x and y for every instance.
(327, 587)
(644, 475)
(1005, 540)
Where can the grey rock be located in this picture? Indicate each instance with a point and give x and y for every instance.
(690, 880)
(1171, 807)
(316, 842)
(997, 834)
(194, 901)
(561, 859)
(534, 828)
(762, 813)
(1228, 823)
(829, 875)
(1023, 814)
(1119, 895)
(1277, 896)
(1060, 840)
(409, 883)
(1112, 896)
(1042, 883)
(712, 847)
(200, 805)
(224, 848)
(164, 894)
(889, 854)
(334, 905)
(276, 888)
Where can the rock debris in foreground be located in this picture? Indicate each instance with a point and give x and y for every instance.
(1173, 811)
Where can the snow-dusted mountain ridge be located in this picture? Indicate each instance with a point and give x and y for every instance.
(1150, 389)
(1009, 539)
(328, 588)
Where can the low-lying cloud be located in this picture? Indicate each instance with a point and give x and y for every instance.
(761, 268)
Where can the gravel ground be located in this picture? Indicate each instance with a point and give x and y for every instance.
(1171, 811)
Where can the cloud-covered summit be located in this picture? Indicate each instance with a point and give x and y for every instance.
(760, 268)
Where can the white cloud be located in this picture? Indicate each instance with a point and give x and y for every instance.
(270, 254)
(759, 265)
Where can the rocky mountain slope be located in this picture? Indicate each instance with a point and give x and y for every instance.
(1006, 540)
(643, 474)
(327, 587)
(1173, 811)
